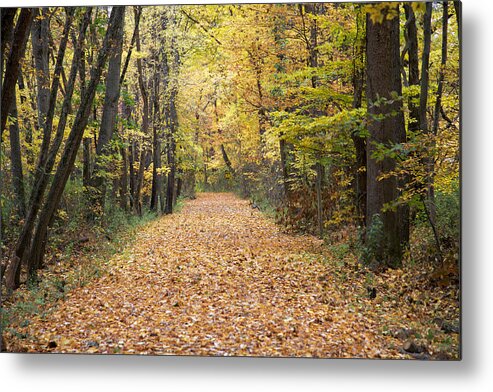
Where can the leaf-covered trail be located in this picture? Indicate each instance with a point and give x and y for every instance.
(217, 278)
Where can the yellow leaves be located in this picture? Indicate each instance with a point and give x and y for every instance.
(382, 11)
(419, 6)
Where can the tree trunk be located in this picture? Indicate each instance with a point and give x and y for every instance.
(145, 128)
(318, 188)
(16, 163)
(156, 167)
(423, 104)
(227, 160)
(42, 172)
(411, 36)
(441, 74)
(19, 41)
(131, 173)
(359, 141)
(41, 50)
(156, 146)
(384, 80)
(316, 9)
(108, 124)
(139, 181)
(458, 15)
(8, 15)
(86, 162)
(124, 180)
(74, 140)
(36, 251)
(172, 127)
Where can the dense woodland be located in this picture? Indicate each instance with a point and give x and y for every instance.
(337, 120)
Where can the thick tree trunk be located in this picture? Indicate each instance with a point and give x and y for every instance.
(8, 15)
(108, 124)
(12, 68)
(383, 80)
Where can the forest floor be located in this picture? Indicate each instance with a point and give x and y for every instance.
(220, 279)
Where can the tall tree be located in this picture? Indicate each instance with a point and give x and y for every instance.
(386, 127)
(16, 163)
(41, 51)
(137, 183)
(411, 37)
(108, 122)
(358, 79)
(441, 72)
(12, 68)
(423, 105)
(65, 165)
(172, 121)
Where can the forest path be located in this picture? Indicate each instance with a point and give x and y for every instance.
(217, 278)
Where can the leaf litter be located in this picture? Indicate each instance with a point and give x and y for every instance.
(220, 279)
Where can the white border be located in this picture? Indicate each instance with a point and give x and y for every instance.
(82, 373)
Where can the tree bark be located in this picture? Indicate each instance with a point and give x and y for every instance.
(74, 140)
(423, 104)
(16, 164)
(384, 80)
(359, 142)
(41, 51)
(36, 251)
(171, 147)
(145, 128)
(441, 74)
(12, 68)
(312, 46)
(140, 180)
(8, 15)
(108, 124)
(156, 137)
(411, 36)
(42, 172)
(172, 128)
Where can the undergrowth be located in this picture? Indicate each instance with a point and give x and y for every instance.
(71, 264)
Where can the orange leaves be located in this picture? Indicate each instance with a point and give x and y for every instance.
(216, 279)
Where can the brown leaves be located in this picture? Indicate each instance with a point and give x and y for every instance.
(217, 280)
